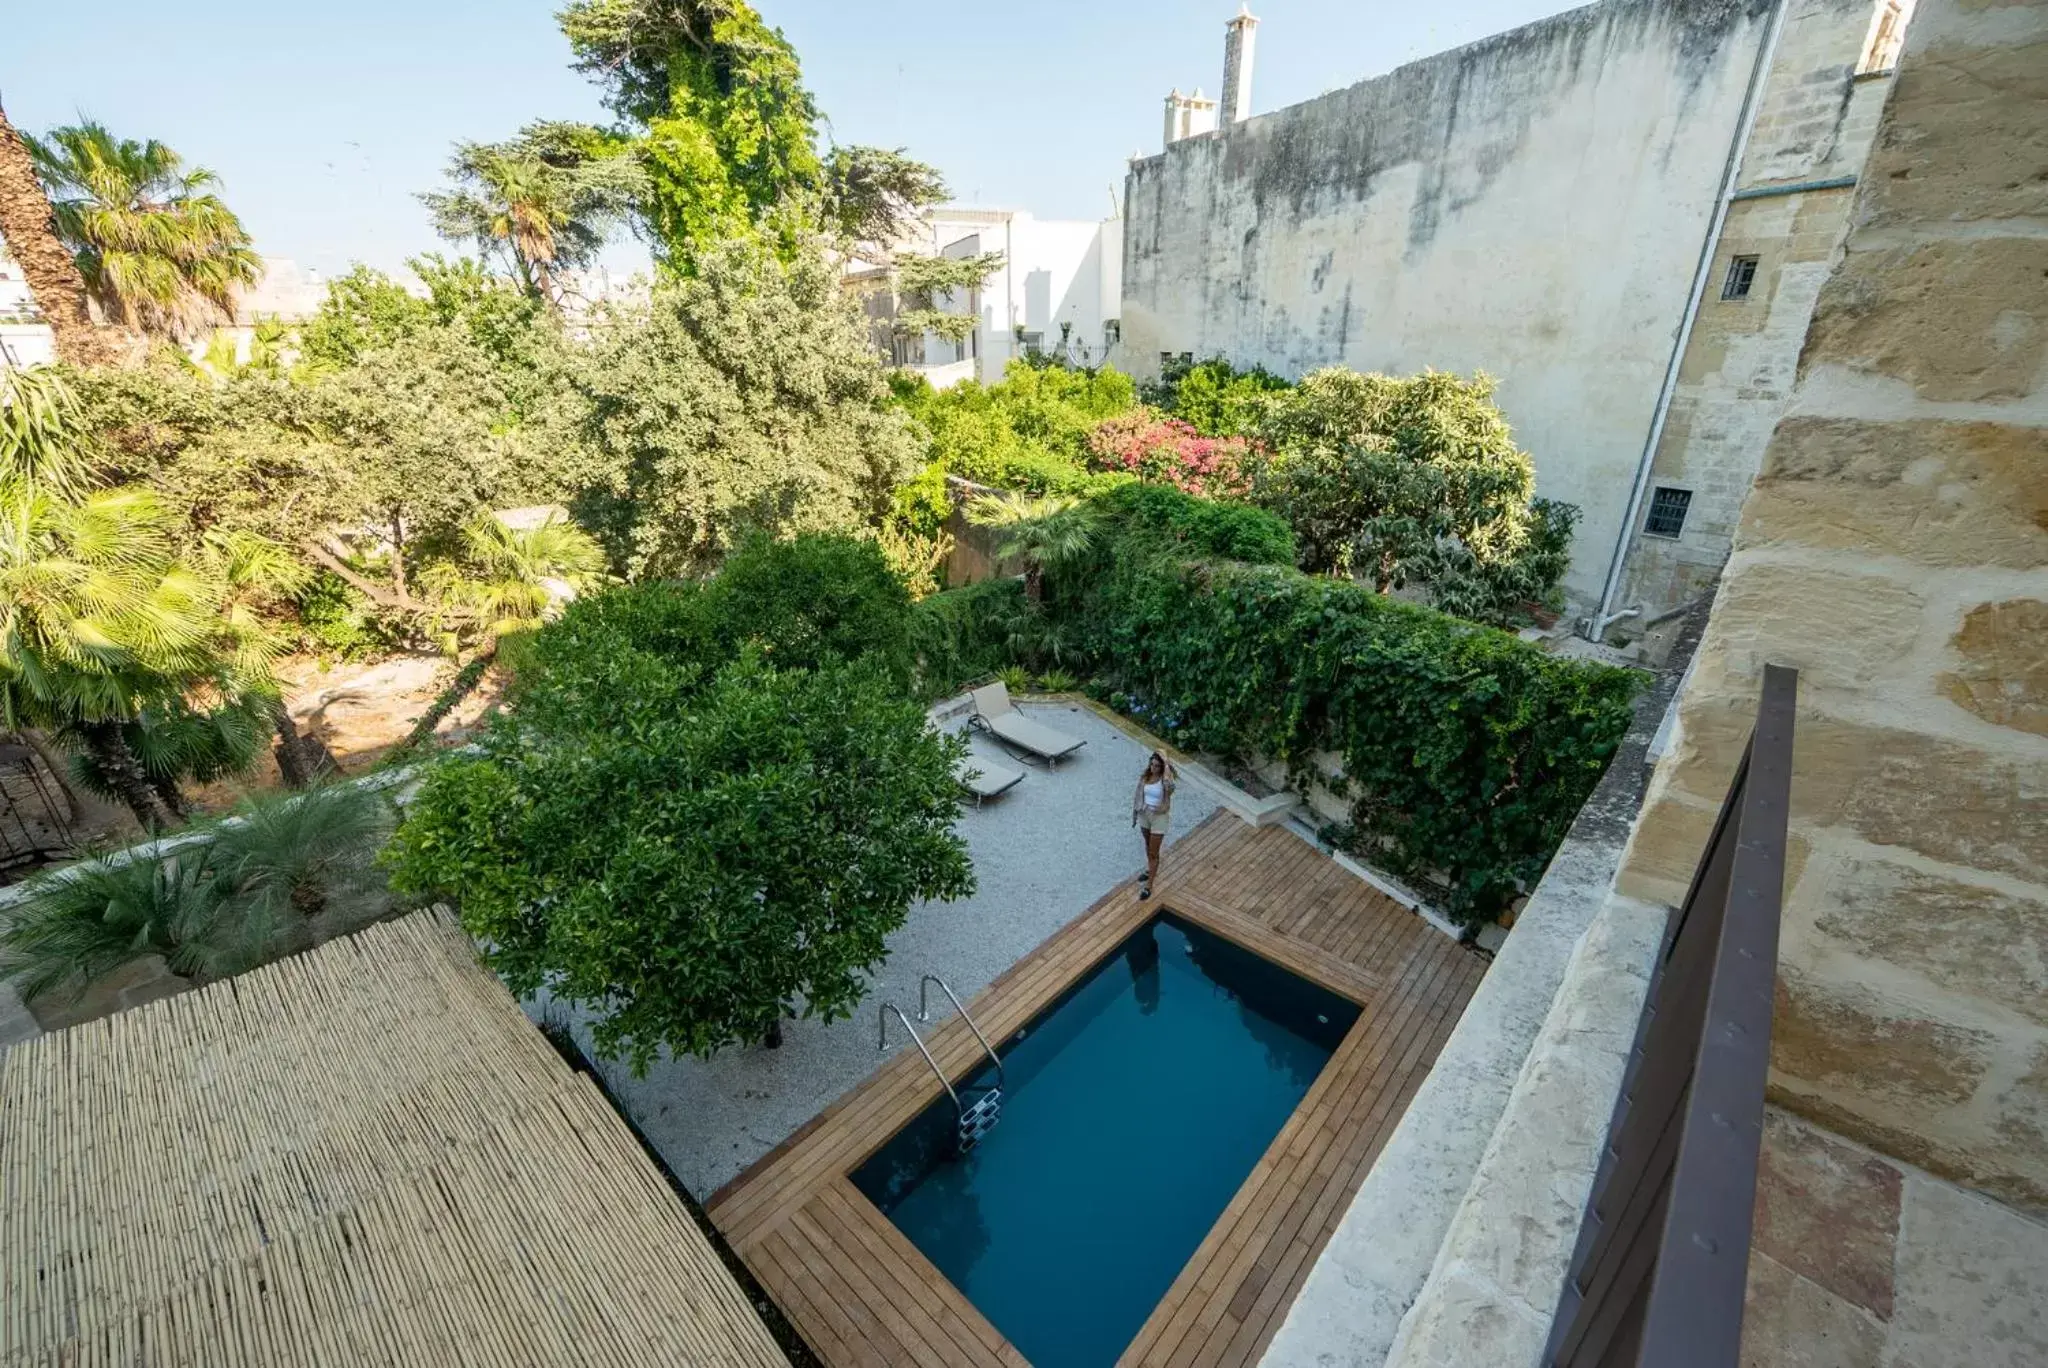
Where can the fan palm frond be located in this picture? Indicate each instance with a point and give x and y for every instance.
(156, 247)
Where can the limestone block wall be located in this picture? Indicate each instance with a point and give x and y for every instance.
(1895, 549)
(1814, 124)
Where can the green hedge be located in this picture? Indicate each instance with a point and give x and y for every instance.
(1199, 527)
(1466, 751)
(963, 635)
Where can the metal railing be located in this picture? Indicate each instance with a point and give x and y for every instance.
(924, 1013)
(1662, 1261)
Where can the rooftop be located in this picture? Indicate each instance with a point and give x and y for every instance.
(361, 1154)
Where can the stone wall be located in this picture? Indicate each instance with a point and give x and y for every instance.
(1813, 127)
(1895, 550)
(1533, 206)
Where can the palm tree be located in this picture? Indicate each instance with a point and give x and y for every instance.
(1044, 533)
(75, 924)
(510, 577)
(102, 626)
(546, 201)
(250, 574)
(292, 852)
(30, 229)
(157, 248)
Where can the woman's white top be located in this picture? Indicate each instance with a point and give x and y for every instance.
(1155, 793)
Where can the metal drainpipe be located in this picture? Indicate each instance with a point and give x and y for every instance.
(1603, 616)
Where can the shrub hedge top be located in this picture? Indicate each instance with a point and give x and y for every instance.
(1466, 751)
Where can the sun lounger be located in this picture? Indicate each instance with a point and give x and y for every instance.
(995, 714)
(986, 778)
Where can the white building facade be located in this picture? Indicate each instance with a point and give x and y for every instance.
(1058, 292)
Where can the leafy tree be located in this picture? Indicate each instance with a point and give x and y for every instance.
(1398, 480)
(924, 281)
(727, 132)
(874, 197)
(745, 398)
(1029, 432)
(1214, 397)
(700, 846)
(29, 226)
(728, 125)
(810, 601)
(546, 201)
(363, 310)
(157, 248)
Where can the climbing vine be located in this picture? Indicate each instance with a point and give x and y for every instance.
(1465, 752)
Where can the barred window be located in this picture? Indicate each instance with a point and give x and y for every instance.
(1667, 511)
(1741, 275)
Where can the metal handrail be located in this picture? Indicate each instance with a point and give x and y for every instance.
(1661, 1270)
(924, 1013)
(882, 1043)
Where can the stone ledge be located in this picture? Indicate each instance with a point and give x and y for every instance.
(1491, 1294)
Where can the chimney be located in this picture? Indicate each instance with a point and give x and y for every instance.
(1237, 66)
(1187, 115)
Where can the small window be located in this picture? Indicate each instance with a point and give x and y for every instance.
(1034, 342)
(1112, 331)
(1741, 275)
(1667, 511)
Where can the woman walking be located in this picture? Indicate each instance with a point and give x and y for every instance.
(1150, 807)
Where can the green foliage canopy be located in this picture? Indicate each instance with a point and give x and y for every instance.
(1029, 432)
(1214, 397)
(1409, 479)
(1466, 752)
(691, 843)
(745, 398)
(545, 201)
(726, 132)
(158, 248)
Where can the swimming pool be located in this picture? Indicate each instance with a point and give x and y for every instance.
(1134, 1107)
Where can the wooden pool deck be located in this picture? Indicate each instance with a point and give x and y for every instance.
(864, 1297)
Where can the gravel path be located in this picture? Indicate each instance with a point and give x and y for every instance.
(1043, 853)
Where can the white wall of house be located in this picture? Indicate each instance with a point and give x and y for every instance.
(1533, 206)
(1054, 272)
(24, 337)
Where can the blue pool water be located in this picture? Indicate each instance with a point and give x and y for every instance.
(1133, 1109)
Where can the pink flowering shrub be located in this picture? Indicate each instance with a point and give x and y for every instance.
(1154, 447)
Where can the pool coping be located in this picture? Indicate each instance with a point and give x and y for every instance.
(860, 1291)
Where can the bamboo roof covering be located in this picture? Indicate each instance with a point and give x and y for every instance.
(360, 1155)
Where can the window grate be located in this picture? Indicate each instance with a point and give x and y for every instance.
(1667, 511)
(1741, 275)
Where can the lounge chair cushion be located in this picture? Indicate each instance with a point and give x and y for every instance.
(987, 778)
(1020, 731)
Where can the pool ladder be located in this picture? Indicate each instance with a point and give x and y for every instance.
(972, 1119)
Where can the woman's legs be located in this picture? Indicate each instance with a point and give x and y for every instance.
(1152, 840)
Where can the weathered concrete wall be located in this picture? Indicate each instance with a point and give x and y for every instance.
(1814, 124)
(1532, 206)
(1895, 550)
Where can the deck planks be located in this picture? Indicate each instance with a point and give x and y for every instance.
(862, 1294)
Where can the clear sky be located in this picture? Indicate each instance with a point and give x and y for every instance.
(324, 120)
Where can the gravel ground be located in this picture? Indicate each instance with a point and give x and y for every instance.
(1043, 852)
